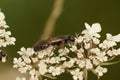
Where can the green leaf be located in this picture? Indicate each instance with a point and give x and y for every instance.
(109, 63)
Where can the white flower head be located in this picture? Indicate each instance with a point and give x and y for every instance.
(79, 39)
(18, 63)
(114, 52)
(116, 38)
(87, 53)
(100, 70)
(55, 70)
(18, 78)
(22, 70)
(77, 74)
(89, 64)
(74, 48)
(63, 51)
(80, 53)
(81, 63)
(92, 31)
(96, 41)
(69, 63)
(42, 68)
(2, 16)
(5, 36)
(34, 74)
(26, 52)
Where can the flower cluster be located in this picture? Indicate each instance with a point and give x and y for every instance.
(5, 36)
(87, 53)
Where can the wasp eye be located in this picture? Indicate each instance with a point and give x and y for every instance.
(71, 38)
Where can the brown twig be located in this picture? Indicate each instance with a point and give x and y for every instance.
(49, 26)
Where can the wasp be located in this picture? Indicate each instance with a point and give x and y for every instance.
(56, 41)
(2, 54)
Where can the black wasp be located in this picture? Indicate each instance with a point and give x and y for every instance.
(57, 41)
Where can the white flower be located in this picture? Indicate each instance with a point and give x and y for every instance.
(18, 63)
(63, 58)
(113, 38)
(3, 24)
(5, 36)
(110, 41)
(54, 60)
(4, 33)
(55, 70)
(34, 74)
(79, 39)
(113, 52)
(116, 38)
(29, 67)
(26, 59)
(87, 45)
(74, 48)
(34, 60)
(81, 63)
(92, 31)
(2, 43)
(69, 63)
(22, 69)
(25, 68)
(96, 41)
(85, 63)
(77, 74)
(10, 40)
(41, 54)
(63, 51)
(107, 44)
(26, 52)
(100, 70)
(2, 16)
(46, 52)
(96, 62)
(80, 53)
(95, 50)
(42, 68)
(89, 65)
(18, 78)
(101, 56)
(34, 78)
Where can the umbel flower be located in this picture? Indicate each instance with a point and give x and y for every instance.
(5, 36)
(87, 53)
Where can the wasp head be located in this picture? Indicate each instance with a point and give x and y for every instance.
(71, 38)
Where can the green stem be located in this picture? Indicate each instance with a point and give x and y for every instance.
(85, 74)
(49, 76)
(40, 77)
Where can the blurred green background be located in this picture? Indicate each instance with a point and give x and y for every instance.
(27, 19)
